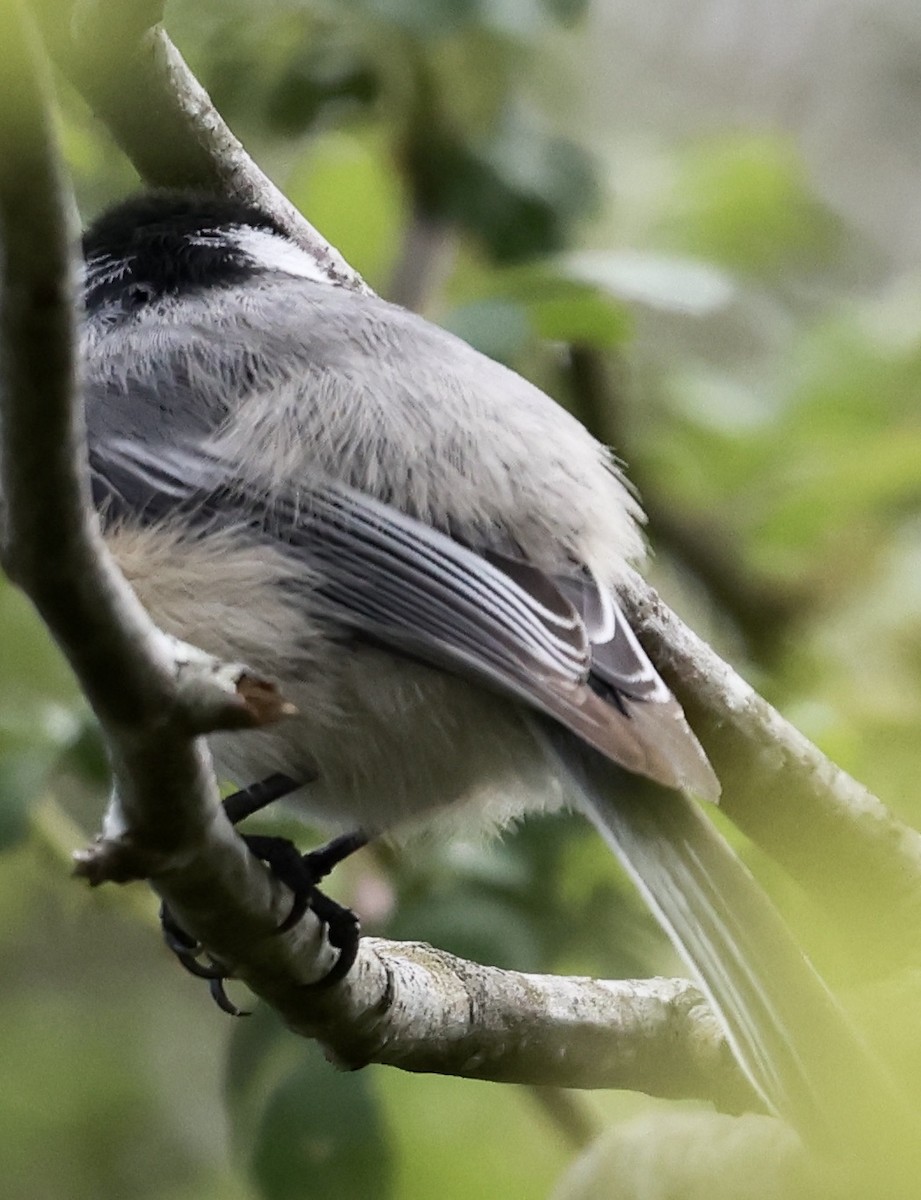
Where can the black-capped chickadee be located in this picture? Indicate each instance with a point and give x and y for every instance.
(419, 545)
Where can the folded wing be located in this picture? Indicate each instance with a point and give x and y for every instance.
(561, 646)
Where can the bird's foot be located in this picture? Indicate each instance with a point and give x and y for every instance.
(302, 873)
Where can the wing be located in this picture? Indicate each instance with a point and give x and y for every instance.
(560, 646)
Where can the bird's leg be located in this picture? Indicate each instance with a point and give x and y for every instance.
(250, 800)
(302, 873)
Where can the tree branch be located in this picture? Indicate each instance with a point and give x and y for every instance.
(836, 839)
(425, 259)
(152, 694)
(424, 1010)
(138, 84)
(764, 612)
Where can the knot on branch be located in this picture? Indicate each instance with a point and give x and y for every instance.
(217, 695)
(113, 860)
(264, 703)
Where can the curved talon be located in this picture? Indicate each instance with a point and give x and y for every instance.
(343, 930)
(180, 945)
(223, 1001)
(187, 949)
(202, 970)
(339, 969)
(286, 864)
(300, 873)
(298, 908)
(176, 938)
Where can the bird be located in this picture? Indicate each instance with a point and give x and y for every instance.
(425, 551)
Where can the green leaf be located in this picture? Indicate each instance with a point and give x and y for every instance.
(665, 282)
(497, 328)
(32, 670)
(35, 720)
(304, 1127)
(524, 20)
(567, 11)
(579, 315)
(535, 302)
(351, 192)
(472, 924)
(328, 76)
(744, 201)
(701, 1156)
(520, 191)
(425, 18)
(322, 1135)
(86, 756)
(22, 775)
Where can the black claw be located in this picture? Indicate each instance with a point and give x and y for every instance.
(202, 970)
(175, 936)
(187, 949)
(282, 856)
(287, 864)
(298, 908)
(343, 930)
(181, 946)
(223, 1001)
(301, 873)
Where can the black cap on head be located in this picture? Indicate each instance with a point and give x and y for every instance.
(163, 242)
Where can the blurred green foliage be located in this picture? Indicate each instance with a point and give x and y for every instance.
(764, 364)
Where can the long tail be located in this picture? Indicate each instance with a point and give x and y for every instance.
(787, 1031)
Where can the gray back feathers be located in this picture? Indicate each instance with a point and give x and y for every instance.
(299, 379)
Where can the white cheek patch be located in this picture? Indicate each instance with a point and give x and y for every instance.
(276, 253)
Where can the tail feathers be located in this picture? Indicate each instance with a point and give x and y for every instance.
(788, 1033)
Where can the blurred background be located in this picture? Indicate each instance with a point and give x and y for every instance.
(697, 223)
